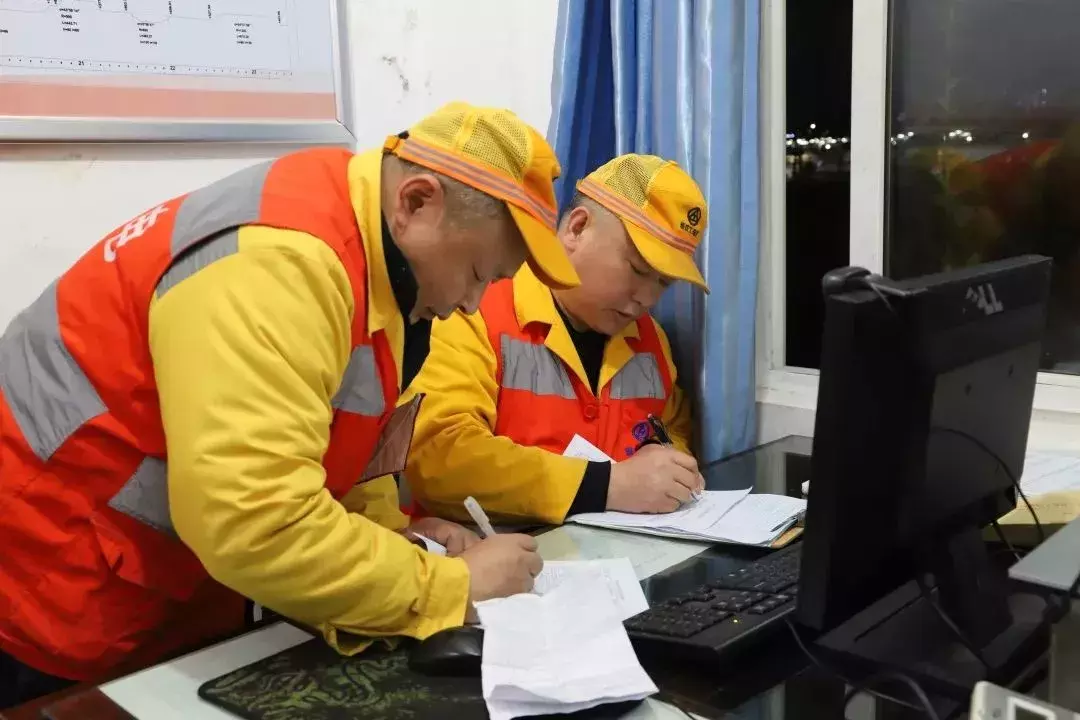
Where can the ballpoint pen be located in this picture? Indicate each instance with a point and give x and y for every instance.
(659, 430)
(479, 517)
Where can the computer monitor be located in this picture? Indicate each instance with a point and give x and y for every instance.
(924, 403)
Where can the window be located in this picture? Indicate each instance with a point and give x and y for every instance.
(817, 167)
(983, 145)
(963, 147)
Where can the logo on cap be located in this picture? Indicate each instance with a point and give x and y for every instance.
(693, 217)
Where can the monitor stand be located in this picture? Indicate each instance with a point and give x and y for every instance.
(903, 632)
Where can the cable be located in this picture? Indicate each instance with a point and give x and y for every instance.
(949, 621)
(877, 291)
(1005, 540)
(1004, 466)
(927, 707)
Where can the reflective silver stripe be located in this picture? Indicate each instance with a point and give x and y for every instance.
(198, 257)
(533, 368)
(228, 203)
(145, 496)
(49, 394)
(361, 389)
(639, 378)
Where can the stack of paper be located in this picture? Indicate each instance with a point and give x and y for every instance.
(559, 651)
(720, 516)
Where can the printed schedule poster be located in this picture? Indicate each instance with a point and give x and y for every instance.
(230, 60)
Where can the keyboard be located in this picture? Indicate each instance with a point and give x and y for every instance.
(717, 618)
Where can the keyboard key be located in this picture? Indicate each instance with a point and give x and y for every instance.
(760, 609)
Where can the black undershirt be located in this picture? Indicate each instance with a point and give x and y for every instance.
(592, 493)
(403, 283)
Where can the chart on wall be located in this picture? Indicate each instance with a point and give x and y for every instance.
(175, 61)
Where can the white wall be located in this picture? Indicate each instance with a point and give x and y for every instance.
(406, 57)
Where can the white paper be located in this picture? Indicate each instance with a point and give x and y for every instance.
(617, 576)
(582, 449)
(732, 516)
(432, 547)
(759, 519)
(1047, 472)
(648, 555)
(563, 651)
(695, 517)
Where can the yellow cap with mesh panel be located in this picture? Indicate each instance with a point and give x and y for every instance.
(661, 207)
(497, 153)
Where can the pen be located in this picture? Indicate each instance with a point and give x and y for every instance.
(479, 516)
(661, 434)
(659, 430)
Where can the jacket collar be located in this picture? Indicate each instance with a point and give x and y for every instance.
(533, 302)
(365, 171)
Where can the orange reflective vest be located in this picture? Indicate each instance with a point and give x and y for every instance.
(92, 575)
(543, 403)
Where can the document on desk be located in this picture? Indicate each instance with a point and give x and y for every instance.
(559, 652)
(720, 516)
(582, 449)
(648, 554)
(1050, 472)
(617, 577)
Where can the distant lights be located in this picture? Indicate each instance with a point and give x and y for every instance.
(1026, 136)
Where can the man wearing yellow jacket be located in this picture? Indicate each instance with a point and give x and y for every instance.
(185, 413)
(510, 387)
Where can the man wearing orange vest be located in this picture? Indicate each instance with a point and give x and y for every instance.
(509, 387)
(185, 413)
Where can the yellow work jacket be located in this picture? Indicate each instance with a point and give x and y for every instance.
(462, 446)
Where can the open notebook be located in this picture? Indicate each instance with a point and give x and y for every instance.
(721, 516)
(734, 517)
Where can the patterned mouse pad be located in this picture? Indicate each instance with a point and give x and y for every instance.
(313, 682)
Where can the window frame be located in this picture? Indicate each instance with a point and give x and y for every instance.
(1056, 411)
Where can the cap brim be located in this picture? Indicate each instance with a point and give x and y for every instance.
(547, 257)
(665, 259)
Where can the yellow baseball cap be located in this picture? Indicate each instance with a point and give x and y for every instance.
(661, 207)
(497, 153)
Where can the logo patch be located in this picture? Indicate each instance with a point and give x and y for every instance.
(693, 216)
(641, 431)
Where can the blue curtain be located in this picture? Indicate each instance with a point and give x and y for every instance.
(679, 78)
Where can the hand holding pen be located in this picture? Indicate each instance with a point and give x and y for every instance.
(655, 479)
(499, 565)
(660, 433)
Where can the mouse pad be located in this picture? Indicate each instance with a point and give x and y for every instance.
(312, 681)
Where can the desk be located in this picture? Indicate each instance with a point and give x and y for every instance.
(773, 680)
